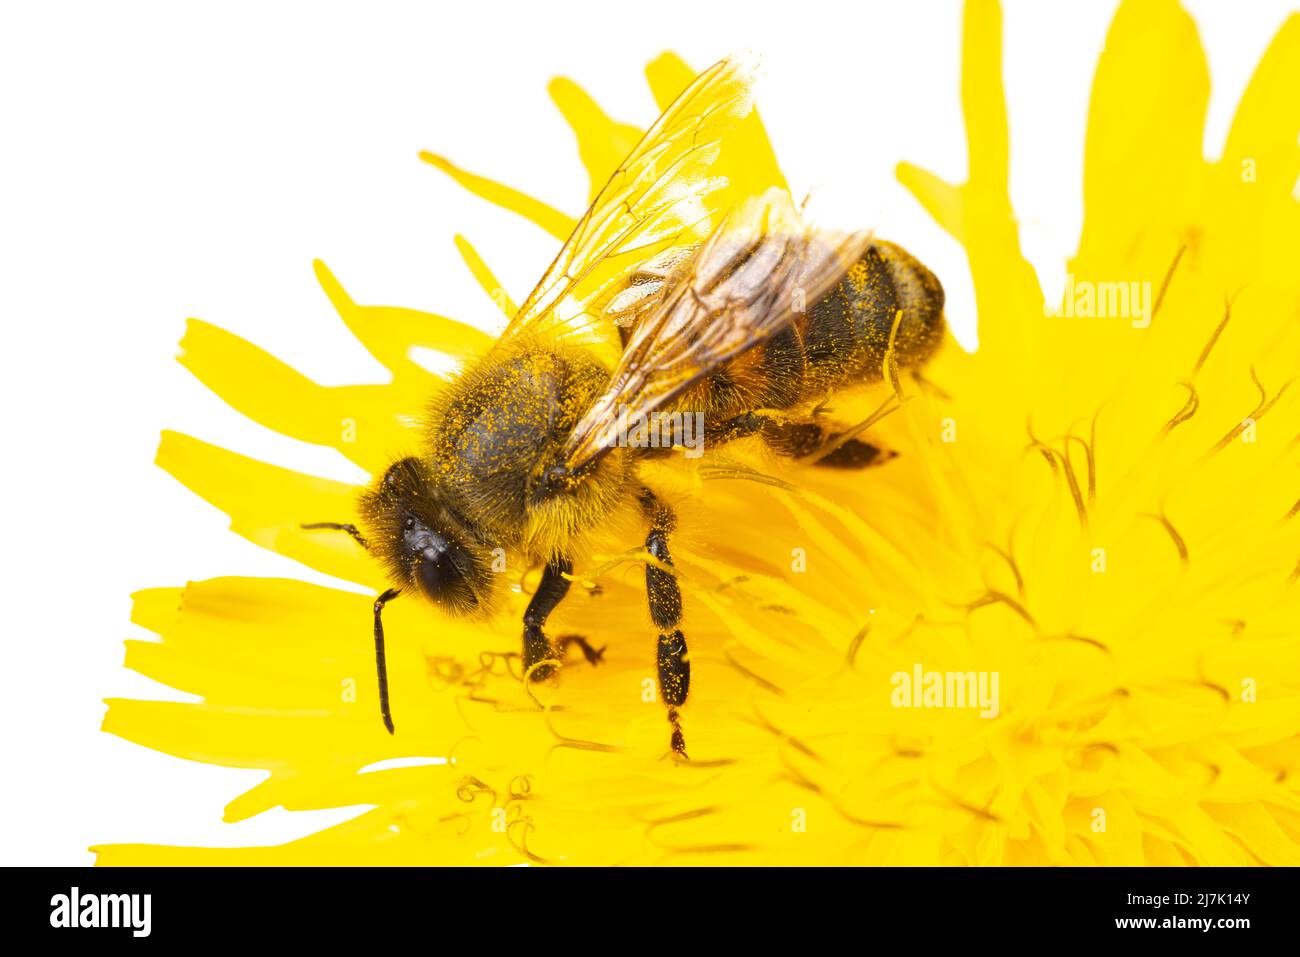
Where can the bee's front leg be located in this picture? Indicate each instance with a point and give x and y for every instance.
(665, 598)
(550, 592)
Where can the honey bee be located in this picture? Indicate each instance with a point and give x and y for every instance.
(745, 315)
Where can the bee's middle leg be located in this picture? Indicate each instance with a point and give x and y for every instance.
(665, 600)
(550, 592)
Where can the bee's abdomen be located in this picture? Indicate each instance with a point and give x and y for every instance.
(847, 334)
(842, 340)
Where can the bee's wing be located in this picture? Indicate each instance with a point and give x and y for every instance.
(653, 199)
(759, 268)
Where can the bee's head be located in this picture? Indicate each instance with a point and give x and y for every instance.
(423, 543)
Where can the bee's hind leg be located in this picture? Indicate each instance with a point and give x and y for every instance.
(805, 439)
(665, 599)
(852, 454)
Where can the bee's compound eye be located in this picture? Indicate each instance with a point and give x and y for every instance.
(402, 474)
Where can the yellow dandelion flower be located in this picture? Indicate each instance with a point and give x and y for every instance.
(1094, 516)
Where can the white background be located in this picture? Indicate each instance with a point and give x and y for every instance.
(162, 161)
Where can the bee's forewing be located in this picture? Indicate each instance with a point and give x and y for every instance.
(653, 200)
(758, 270)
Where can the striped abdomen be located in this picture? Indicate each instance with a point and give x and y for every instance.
(838, 342)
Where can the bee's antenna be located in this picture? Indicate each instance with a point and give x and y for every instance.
(340, 527)
(381, 664)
